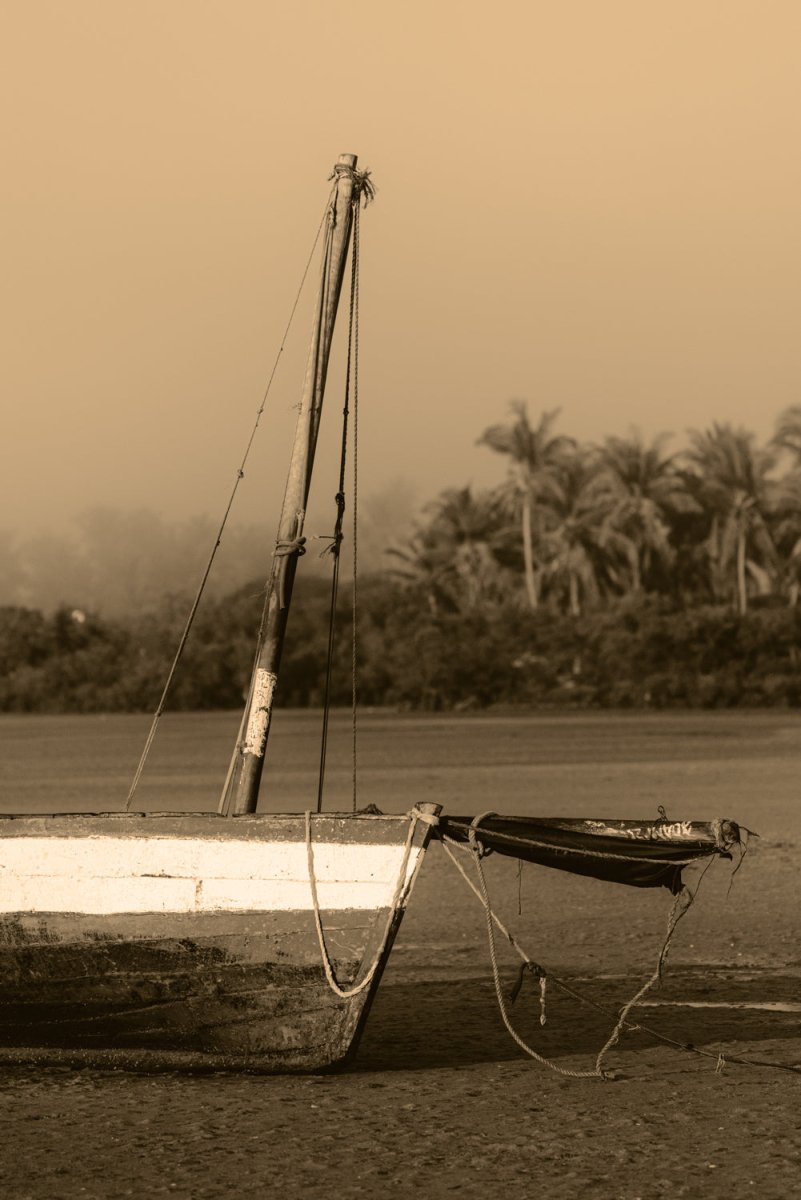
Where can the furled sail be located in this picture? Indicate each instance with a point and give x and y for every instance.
(640, 853)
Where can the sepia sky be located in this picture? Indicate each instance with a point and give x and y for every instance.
(591, 205)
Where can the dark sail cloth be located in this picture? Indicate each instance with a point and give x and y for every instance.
(640, 853)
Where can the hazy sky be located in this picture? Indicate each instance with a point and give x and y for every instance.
(592, 204)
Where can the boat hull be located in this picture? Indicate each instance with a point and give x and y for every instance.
(147, 942)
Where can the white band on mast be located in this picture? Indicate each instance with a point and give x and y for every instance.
(261, 707)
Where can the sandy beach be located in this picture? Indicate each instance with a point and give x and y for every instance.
(440, 1100)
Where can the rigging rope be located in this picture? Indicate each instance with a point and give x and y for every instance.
(239, 477)
(477, 851)
(355, 559)
(285, 549)
(677, 912)
(351, 383)
(364, 191)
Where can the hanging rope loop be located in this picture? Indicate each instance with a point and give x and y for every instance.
(492, 921)
(402, 886)
(681, 904)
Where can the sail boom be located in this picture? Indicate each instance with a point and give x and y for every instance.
(638, 853)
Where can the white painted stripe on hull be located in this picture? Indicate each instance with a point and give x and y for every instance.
(141, 875)
(204, 858)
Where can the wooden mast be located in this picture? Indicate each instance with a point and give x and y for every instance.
(243, 785)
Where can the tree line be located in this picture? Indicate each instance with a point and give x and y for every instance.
(582, 525)
(610, 574)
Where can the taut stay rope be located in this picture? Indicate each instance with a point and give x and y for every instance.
(240, 474)
(351, 385)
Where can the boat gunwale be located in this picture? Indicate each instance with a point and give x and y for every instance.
(241, 818)
(280, 827)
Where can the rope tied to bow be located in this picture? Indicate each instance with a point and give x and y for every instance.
(476, 850)
(682, 902)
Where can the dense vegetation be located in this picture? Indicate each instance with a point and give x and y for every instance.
(616, 574)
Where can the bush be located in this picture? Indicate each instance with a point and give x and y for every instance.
(641, 653)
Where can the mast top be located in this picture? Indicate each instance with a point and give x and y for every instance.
(348, 160)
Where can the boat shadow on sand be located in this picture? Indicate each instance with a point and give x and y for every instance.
(424, 1025)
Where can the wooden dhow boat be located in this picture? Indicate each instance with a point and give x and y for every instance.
(212, 941)
(153, 942)
(247, 940)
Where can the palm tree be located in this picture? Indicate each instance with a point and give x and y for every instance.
(534, 452)
(730, 477)
(645, 489)
(788, 432)
(457, 556)
(785, 527)
(586, 553)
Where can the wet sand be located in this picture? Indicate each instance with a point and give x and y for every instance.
(439, 1099)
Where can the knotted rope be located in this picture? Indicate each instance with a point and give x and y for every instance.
(363, 187)
(284, 549)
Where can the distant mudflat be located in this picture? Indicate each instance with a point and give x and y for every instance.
(568, 762)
